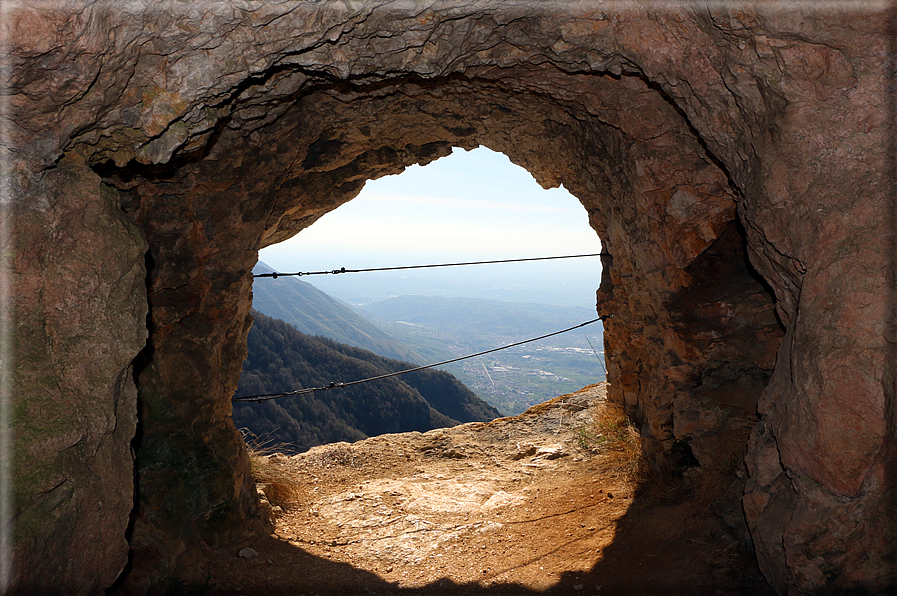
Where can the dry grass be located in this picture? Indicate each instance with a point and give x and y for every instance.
(619, 439)
(705, 485)
(713, 481)
(660, 485)
(337, 454)
(275, 473)
(613, 435)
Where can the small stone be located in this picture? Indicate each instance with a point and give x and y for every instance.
(248, 553)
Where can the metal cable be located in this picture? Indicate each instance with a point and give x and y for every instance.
(275, 275)
(267, 396)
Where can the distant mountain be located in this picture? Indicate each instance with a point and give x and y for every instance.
(313, 312)
(283, 359)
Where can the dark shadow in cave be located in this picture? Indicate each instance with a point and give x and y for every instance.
(140, 362)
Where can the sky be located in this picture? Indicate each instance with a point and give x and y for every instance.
(471, 205)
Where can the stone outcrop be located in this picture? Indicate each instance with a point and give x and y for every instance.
(735, 161)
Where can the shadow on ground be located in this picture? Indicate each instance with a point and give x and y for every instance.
(659, 548)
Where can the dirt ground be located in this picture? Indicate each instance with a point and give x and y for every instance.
(536, 503)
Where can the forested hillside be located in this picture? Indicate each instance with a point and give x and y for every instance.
(283, 359)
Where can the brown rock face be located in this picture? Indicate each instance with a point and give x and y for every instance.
(735, 161)
(80, 302)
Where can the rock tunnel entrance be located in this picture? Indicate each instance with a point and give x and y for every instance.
(388, 550)
(692, 330)
(703, 142)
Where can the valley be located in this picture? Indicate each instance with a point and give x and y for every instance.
(513, 379)
(517, 378)
(423, 329)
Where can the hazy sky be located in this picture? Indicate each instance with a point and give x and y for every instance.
(471, 205)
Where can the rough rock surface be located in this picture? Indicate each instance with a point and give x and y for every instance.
(80, 301)
(736, 161)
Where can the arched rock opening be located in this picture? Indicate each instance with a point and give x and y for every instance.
(693, 138)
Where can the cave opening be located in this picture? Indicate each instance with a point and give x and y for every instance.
(467, 207)
(659, 203)
(458, 495)
(721, 277)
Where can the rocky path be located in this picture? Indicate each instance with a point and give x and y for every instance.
(530, 504)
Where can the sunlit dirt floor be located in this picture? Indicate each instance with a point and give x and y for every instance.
(539, 503)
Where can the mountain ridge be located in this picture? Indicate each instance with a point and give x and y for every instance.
(314, 312)
(282, 359)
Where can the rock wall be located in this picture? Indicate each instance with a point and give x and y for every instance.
(77, 270)
(734, 160)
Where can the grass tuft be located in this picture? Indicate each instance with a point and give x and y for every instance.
(337, 454)
(275, 473)
(616, 436)
(661, 485)
(612, 434)
(714, 481)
